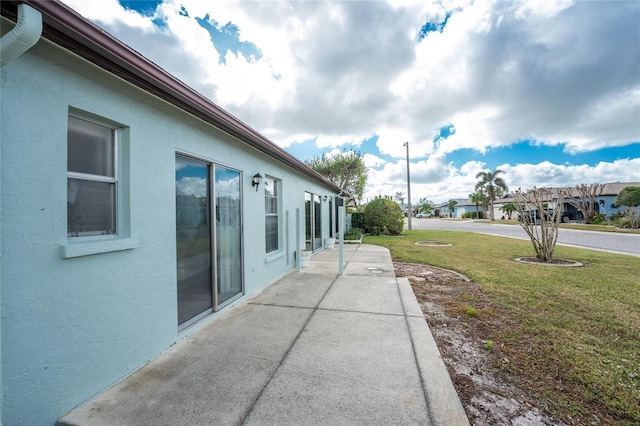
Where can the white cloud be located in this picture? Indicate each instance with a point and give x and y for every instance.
(372, 161)
(549, 174)
(111, 13)
(339, 72)
(542, 8)
(459, 183)
(189, 185)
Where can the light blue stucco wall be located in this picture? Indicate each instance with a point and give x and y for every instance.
(71, 327)
(607, 208)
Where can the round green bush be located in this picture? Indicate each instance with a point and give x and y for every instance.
(383, 216)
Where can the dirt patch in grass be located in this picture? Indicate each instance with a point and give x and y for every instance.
(464, 325)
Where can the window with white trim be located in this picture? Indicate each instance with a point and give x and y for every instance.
(271, 212)
(92, 178)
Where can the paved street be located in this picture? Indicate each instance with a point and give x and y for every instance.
(605, 241)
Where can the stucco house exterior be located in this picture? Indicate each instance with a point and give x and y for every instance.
(465, 207)
(133, 211)
(604, 202)
(442, 209)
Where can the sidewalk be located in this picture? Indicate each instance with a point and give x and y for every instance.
(313, 348)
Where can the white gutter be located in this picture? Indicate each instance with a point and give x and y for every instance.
(23, 36)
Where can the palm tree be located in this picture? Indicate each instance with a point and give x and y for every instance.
(478, 197)
(491, 184)
(451, 204)
(509, 208)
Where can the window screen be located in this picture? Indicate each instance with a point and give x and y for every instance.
(91, 178)
(271, 214)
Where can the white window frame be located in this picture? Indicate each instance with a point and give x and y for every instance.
(103, 242)
(277, 185)
(100, 178)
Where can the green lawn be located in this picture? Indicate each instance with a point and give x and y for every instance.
(575, 335)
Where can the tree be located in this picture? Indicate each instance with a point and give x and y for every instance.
(478, 197)
(399, 197)
(346, 169)
(425, 205)
(509, 208)
(585, 199)
(540, 222)
(492, 185)
(451, 204)
(629, 196)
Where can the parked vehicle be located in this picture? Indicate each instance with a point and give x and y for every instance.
(547, 215)
(570, 214)
(422, 215)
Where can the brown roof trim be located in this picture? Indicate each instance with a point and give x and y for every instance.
(65, 27)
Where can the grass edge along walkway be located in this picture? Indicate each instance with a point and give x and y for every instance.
(574, 343)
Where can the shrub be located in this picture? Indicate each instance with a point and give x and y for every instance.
(598, 219)
(632, 215)
(473, 215)
(357, 220)
(615, 216)
(376, 230)
(630, 219)
(622, 223)
(353, 234)
(383, 216)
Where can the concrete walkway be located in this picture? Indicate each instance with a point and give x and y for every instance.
(313, 348)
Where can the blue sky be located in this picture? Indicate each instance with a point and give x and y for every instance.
(547, 91)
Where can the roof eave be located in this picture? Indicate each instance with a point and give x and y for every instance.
(65, 27)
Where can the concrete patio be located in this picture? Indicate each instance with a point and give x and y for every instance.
(313, 348)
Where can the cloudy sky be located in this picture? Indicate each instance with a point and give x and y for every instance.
(547, 91)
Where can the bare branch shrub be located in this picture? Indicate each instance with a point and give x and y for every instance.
(583, 197)
(540, 217)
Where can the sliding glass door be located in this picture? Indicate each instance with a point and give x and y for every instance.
(313, 221)
(208, 238)
(193, 238)
(228, 235)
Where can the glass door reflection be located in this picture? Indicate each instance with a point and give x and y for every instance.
(317, 223)
(228, 235)
(193, 238)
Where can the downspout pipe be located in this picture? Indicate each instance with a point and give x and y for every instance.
(23, 36)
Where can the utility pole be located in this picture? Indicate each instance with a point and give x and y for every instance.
(408, 187)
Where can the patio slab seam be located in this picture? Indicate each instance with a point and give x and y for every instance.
(358, 311)
(286, 354)
(279, 305)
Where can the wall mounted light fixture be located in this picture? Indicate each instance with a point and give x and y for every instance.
(255, 181)
(325, 198)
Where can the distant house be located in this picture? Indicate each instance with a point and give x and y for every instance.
(466, 206)
(133, 211)
(442, 209)
(499, 203)
(606, 201)
(570, 213)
